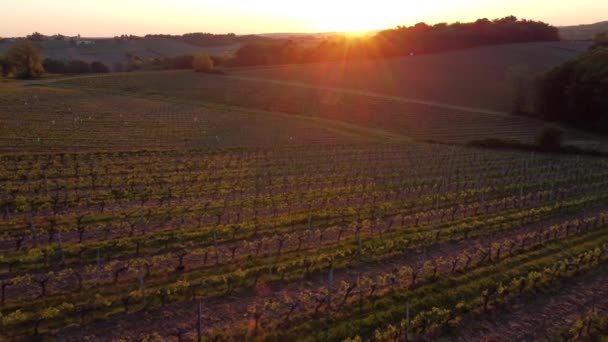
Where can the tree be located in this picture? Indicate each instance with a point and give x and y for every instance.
(78, 67)
(4, 66)
(550, 140)
(99, 67)
(26, 59)
(577, 92)
(202, 63)
(54, 66)
(36, 37)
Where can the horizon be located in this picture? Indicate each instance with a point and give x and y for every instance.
(272, 16)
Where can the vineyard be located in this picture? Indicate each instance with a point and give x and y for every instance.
(42, 119)
(334, 241)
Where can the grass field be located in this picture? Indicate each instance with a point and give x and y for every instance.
(152, 206)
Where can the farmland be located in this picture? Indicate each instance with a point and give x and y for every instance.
(384, 112)
(110, 51)
(260, 205)
(478, 77)
(323, 241)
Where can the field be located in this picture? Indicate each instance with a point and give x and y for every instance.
(479, 77)
(110, 51)
(159, 206)
(43, 120)
(422, 121)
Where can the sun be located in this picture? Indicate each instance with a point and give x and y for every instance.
(354, 20)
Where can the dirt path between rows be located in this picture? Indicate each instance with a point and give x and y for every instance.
(538, 320)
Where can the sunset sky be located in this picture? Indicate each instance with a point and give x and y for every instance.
(95, 18)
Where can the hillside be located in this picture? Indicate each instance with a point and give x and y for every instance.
(420, 120)
(111, 51)
(583, 32)
(478, 77)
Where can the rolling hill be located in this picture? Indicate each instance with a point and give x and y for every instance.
(583, 32)
(478, 77)
(110, 51)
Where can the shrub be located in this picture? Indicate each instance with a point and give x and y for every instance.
(549, 140)
(134, 63)
(5, 66)
(179, 62)
(99, 67)
(54, 66)
(78, 67)
(202, 63)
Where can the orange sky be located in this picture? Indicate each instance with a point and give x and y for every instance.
(114, 17)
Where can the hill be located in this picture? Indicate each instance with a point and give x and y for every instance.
(409, 118)
(111, 51)
(583, 32)
(282, 227)
(477, 77)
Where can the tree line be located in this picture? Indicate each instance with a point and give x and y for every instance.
(401, 41)
(207, 39)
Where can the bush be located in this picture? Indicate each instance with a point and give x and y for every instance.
(202, 63)
(550, 140)
(54, 66)
(134, 63)
(179, 62)
(78, 67)
(99, 67)
(5, 66)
